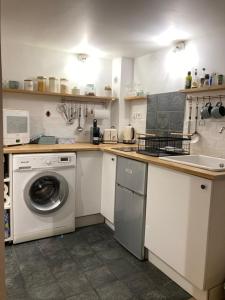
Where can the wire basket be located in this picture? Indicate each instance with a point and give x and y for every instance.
(163, 146)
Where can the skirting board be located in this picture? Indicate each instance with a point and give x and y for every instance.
(89, 220)
(216, 293)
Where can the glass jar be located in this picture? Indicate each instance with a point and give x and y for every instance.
(52, 87)
(63, 86)
(41, 83)
(90, 90)
(28, 85)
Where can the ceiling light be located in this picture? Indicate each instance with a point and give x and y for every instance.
(82, 56)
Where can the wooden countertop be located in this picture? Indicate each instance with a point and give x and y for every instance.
(111, 148)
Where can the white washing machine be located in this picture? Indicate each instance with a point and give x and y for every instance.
(43, 195)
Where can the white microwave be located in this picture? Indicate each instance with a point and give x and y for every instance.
(16, 127)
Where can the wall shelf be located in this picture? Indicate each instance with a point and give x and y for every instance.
(131, 98)
(204, 89)
(69, 97)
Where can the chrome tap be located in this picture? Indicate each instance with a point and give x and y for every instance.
(222, 129)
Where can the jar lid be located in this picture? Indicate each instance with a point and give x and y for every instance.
(41, 77)
(28, 80)
(52, 78)
(63, 79)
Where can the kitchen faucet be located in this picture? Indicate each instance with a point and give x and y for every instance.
(221, 129)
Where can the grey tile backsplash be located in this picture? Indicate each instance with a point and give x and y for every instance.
(165, 113)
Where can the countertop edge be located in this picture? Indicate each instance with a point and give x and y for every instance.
(111, 148)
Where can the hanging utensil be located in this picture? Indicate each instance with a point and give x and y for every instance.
(189, 117)
(79, 128)
(195, 136)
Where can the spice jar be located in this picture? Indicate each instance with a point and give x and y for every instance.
(63, 86)
(52, 85)
(41, 83)
(28, 85)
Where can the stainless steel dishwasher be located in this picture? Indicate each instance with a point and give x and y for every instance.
(130, 202)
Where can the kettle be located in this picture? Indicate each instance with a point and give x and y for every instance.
(128, 135)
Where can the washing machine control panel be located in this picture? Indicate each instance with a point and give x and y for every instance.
(44, 161)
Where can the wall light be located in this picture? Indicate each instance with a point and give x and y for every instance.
(82, 57)
(170, 35)
(179, 46)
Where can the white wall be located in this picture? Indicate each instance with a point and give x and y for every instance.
(24, 61)
(165, 71)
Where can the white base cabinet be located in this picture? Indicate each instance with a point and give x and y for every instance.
(185, 225)
(88, 183)
(108, 186)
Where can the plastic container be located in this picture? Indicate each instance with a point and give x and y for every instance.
(41, 83)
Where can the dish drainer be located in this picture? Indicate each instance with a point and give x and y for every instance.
(163, 145)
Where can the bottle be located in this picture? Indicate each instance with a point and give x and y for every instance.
(95, 132)
(202, 79)
(188, 80)
(207, 80)
(195, 81)
(213, 79)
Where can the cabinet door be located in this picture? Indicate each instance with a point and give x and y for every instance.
(177, 221)
(88, 183)
(108, 186)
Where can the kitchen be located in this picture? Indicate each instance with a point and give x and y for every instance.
(90, 210)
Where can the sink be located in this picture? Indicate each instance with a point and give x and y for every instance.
(199, 161)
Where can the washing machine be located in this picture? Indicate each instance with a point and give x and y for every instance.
(43, 195)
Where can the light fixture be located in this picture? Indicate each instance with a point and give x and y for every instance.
(179, 46)
(169, 36)
(82, 57)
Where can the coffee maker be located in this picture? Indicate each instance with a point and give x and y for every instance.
(95, 133)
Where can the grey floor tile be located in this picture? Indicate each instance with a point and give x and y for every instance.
(105, 245)
(90, 262)
(36, 275)
(21, 296)
(139, 283)
(158, 277)
(115, 291)
(153, 295)
(110, 255)
(122, 268)
(27, 252)
(173, 292)
(100, 276)
(15, 285)
(90, 295)
(81, 250)
(47, 292)
(64, 269)
(74, 285)
(50, 246)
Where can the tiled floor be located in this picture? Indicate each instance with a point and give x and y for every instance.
(86, 264)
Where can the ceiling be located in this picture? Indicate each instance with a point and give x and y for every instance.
(109, 28)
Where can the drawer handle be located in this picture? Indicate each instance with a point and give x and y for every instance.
(113, 159)
(203, 186)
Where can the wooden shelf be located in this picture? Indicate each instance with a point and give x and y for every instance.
(135, 98)
(204, 89)
(64, 96)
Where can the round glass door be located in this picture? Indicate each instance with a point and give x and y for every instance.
(46, 192)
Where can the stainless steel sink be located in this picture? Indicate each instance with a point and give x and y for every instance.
(199, 161)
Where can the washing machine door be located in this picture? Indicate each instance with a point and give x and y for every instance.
(46, 192)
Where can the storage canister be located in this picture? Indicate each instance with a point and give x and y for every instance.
(52, 84)
(28, 85)
(41, 83)
(63, 86)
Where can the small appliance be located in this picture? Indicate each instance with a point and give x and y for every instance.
(110, 136)
(16, 127)
(128, 135)
(95, 133)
